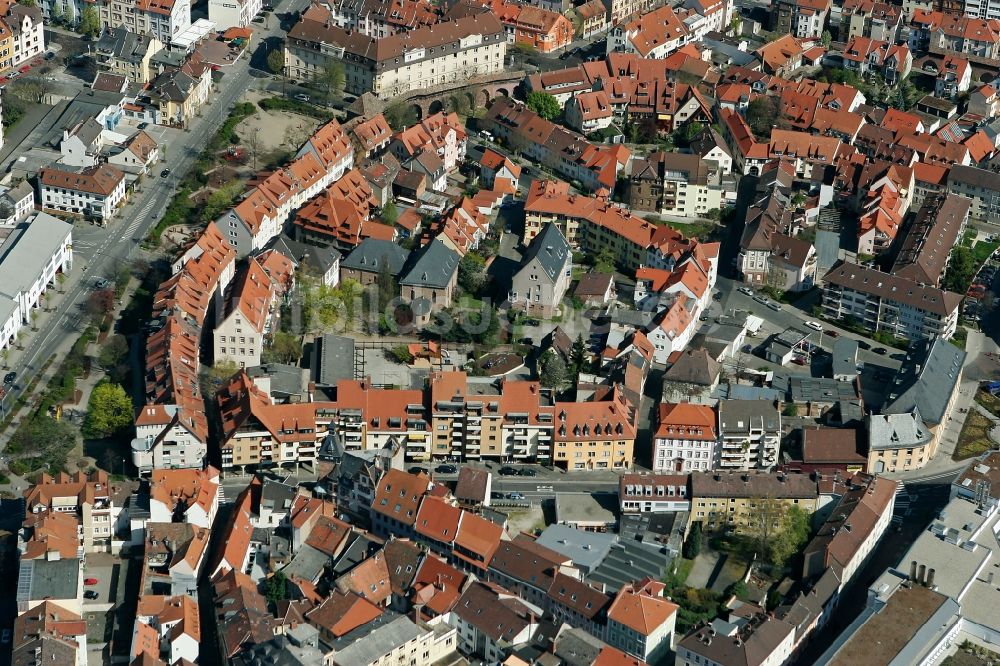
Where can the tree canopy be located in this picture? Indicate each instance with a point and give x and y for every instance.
(284, 348)
(90, 22)
(472, 273)
(761, 115)
(108, 411)
(400, 115)
(276, 61)
(543, 104)
(552, 370)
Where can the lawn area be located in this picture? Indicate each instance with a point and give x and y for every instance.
(974, 439)
(983, 251)
(701, 230)
(969, 237)
(989, 401)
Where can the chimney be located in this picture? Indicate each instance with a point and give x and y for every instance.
(913, 569)
(922, 572)
(930, 578)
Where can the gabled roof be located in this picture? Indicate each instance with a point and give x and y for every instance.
(642, 608)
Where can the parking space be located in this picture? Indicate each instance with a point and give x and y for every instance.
(101, 576)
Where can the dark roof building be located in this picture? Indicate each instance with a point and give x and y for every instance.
(435, 267)
(927, 379)
(372, 254)
(931, 236)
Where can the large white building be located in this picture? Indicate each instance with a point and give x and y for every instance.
(686, 439)
(94, 192)
(749, 434)
(27, 36)
(164, 19)
(30, 258)
(164, 440)
(233, 13)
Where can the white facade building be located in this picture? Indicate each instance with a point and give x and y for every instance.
(233, 13)
(162, 440)
(94, 192)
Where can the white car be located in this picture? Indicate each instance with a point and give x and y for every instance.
(302, 97)
(745, 290)
(814, 325)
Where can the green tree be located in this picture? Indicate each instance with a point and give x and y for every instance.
(761, 115)
(737, 589)
(543, 104)
(213, 377)
(692, 546)
(331, 79)
(389, 213)
(578, 354)
(108, 411)
(472, 273)
(961, 269)
(26, 3)
(90, 22)
(459, 104)
(276, 61)
(114, 352)
(221, 199)
(57, 13)
(400, 354)
(521, 50)
(284, 348)
(552, 370)
(790, 538)
(604, 262)
(400, 115)
(791, 409)
(276, 587)
(827, 38)
(386, 284)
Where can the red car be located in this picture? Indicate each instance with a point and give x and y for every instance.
(25, 69)
(832, 333)
(798, 360)
(90, 581)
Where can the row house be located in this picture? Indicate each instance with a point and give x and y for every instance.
(871, 18)
(864, 55)
(881, 218)
(171, 429)
(91, 500)
(804, 19)
(31, 258)
(247, 318)
(666, 103)
(674, 184)
(885, 302)
(94, 192)
(593, 166)
(937, 227)
(339, 216)
(541, 29)
(441, 134)
(589, 112)
(944, 33)
(382, 18)
(449, 51)
(21, 35)
(655, 34)
(164, 19)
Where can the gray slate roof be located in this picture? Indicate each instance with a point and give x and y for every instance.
(735, 416)
(322, 258)
(434, 267)
(370, 642)
(332, 359)
(586, 549)
(372, 252)
(926, 380)
(551, 250)
(123, 44)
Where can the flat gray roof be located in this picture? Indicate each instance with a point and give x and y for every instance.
(586, 549)
(583, 508)
(332, 359)
(28, 250)
(370, 642)
(48, 579)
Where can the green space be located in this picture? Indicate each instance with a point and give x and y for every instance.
(974, 438)
(989, 401)
(982, 251)
(295, 106)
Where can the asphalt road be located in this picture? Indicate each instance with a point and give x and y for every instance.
(121, 239)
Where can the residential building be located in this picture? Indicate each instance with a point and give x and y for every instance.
(429, 284)
(864, 55)
(597, 434)
(685, 438)
(884, 302)
(164, 19)
(31, 257)
(93, 192)
(539, 285)
(121, 51)
(25, 35)
(179, 94)
(440, 134)
(746, 636)
(674, 184)
(769, 252)
(365, 261)
(91, 499)
(136, 157)
(239, 337)
(58, 581)
(739, 501)
(167, 626)
(589, 112)
(492, 622)
(871, 18)
(233, 13)
(782, 56)
(48, 633)
(938, 227)
(641, 621)
(804, 19)
(381, 18)
(392, 638)
(16, 203)
(192, 494)
(981, 186)
(541, 29)
(653, 493)
(393, 65)
(372, 136)
(654, 34)
(174, 556)
(749, 434)
(593, 17)
(954, 77)
(241, 613)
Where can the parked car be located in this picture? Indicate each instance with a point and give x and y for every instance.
(91, 594)
(508, 471)
(879, 350)
(863, 345)
(515, 496)
(102, 283)
(446, 469)
(527, 471)
(774, 306)
(747, 349)
(302, 97)
(814, 325)
(416, 470)
(5, 636)
(799, 360)
(745, 290)
(90, 581)
(9, 378)
(763, 300)
(164, 173)
(832, 333)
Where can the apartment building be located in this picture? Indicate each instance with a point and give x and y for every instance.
(193, 494)
(447, 52)
(746, 635)
(588, 112)
(654, 34)
(863, 55)
(804, 19)
(653, 493)
(94, 192)
(164, 19)
(981, 186)
(441, 134)
(22, 37)
(128, 54)
(339, 216)
(685, 439)
(739, 500)
(749, 434)
(233, 13)
(674, 184)
(429, 284)
(539, 285)
(641, 621)
(954, 77)
(382, 18)
(541, 29)
(49, 629)
(769, 253)
(938, 227)
(885, 302)
(91, 500)
(596, 434)
(31, 257)
(248, 318)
